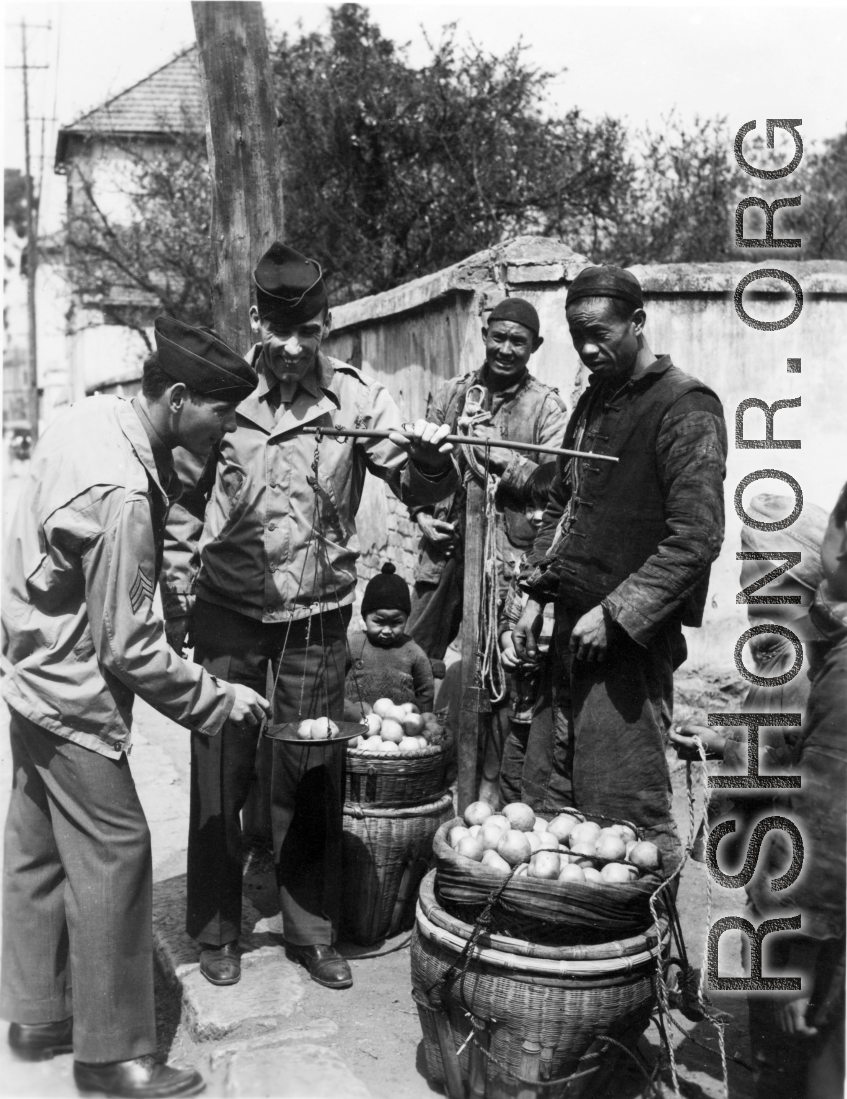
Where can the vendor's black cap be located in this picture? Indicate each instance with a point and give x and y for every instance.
(518, 310)
(199, 358)
(606, 281)
(289, 287)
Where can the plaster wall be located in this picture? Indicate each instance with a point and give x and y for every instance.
(412, 342)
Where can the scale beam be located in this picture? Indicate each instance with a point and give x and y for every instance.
(465, 440)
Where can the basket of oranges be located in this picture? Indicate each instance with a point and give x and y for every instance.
(570, 880)
(399, 760)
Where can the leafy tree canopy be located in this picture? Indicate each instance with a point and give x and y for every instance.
(393, 172)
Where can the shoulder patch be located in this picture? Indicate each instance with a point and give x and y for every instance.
(140, 590)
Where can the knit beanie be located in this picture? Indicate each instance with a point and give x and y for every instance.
(386, 592)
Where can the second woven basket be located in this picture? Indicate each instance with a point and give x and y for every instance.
(386, 853)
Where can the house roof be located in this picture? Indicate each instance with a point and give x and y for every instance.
(169, 100)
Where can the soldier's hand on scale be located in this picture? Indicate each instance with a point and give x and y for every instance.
(525, 634)
(426, 447)
(249, 707)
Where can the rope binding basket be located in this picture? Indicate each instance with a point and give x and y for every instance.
(508, 1018)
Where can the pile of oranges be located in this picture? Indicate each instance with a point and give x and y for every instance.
(565, 849)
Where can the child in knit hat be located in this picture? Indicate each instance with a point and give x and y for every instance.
(386, 663)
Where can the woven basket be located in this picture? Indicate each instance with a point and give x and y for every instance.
(555, 913)
(538, 1019)
(386, 852)
(389, 781)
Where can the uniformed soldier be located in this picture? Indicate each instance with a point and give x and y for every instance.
(272, 579)
(82, 639)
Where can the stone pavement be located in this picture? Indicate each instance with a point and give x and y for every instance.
(253, 1039)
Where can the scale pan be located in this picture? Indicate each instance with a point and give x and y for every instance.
(287, 733)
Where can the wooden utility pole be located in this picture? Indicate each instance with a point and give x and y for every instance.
(244, 157)
(475, 700)
(31, 239)
(247, 212)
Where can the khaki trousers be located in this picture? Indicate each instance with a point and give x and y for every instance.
(77, 897)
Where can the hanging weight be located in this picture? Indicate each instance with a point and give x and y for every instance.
(476, 700)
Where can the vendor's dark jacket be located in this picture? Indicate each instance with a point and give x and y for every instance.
(643, 533)
(527, 412)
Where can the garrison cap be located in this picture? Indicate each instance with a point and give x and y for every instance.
(517, 310)
(606, 281)
(199, 358)
(289, 288)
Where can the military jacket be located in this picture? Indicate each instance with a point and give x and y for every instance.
(79, 624)
(269, 528)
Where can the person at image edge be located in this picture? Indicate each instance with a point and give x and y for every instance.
(81, 639)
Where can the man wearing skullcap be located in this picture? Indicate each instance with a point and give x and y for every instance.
(266, 574)
(81, 640)
(624, 550)
(520, 408)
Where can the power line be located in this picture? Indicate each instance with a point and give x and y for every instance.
(31, 230)
(53, 117)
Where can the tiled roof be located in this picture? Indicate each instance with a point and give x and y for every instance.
(168, 100)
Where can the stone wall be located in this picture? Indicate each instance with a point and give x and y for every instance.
(418, 335)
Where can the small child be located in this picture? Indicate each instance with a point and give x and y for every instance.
(386, 663)
(525, 678)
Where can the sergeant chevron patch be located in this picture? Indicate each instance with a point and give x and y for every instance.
(142, 588)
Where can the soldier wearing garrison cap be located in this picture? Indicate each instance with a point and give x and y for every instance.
(624, 552)
(521, 408)
(263, 568)
(81, 639)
